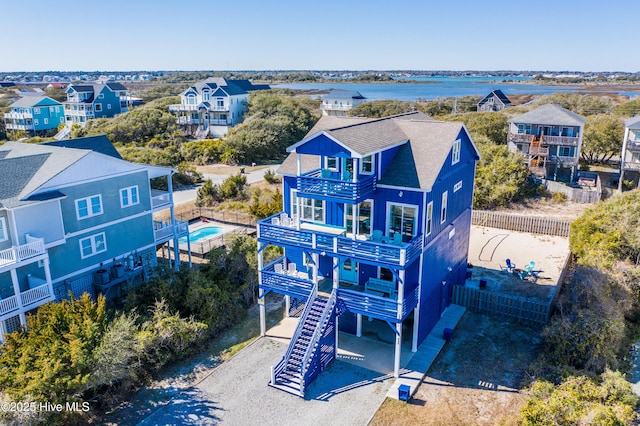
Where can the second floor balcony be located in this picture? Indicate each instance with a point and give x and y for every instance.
(18, 115)
(325, 184)
(37, 294)
(328, 239)
(14, 256)
(165, 231)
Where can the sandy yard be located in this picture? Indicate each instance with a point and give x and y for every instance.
(490, 247)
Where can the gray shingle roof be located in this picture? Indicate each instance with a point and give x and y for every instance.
(30, 101)
(25, 167)
(343, 94)
(549, 114)
(633, 122)
(424, 145)
(116, 86)
(498, 94)
(100, 143)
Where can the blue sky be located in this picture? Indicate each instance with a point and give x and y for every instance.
(70, 35)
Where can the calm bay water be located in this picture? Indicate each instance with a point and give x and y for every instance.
(442, 87)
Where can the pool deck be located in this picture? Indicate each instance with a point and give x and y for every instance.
(205, 245)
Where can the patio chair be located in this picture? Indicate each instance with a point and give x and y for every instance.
(510, 266)
(376, 235)
(527, 271)
(293, 222)
(275, 221)
(277, 268)
(292, 268)
(397, 238)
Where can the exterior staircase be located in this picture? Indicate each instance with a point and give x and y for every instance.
(538, 157)
(202, 132)
(312, 346)
(63, 133)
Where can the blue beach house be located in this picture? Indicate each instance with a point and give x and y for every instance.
(75, 217)
(87, 101)
(36, 115)
(375, 225)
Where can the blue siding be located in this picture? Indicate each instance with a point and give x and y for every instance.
(8, 243)
(109, 189)
(443, 253)
(323, 145)
(385, 159)
(110, 103)
(384, 196)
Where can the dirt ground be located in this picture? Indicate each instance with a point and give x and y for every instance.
(476, 380)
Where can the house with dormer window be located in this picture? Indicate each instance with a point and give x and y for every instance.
(211, 107)
(374, 230)
(87, 101)
(76, 218)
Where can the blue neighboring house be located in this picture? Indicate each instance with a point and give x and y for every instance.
(376, 223)
(36, 115)
(75, 217)
(87, 101)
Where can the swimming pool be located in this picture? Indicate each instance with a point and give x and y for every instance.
(202, 234)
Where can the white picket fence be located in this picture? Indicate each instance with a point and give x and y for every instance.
(521, 223)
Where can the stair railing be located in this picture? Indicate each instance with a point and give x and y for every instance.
(283, 362)
(317, 333)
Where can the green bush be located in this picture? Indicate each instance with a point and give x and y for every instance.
(559, 197)
(271, 177)
(233, 187)
(608, 400)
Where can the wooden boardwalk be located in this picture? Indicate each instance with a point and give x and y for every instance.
(413, 373)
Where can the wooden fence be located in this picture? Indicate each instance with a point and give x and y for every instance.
(578, 195)
(490, 303)
(521, 223)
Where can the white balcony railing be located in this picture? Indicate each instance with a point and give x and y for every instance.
(8, 304)
(11, 126)
(182, 107)
(18, 115)
(35, 295)
(160, 199)
(165, 231)
(17, 254)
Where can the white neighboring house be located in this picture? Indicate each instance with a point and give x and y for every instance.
(338, 102)
(211, 107)
(630, 158)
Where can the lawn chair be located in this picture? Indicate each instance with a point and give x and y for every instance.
(526, 271)
(277, 268)
(510, 266)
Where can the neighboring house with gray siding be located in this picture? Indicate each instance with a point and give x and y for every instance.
(76, 220)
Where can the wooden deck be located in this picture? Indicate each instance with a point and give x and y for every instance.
(413, 373)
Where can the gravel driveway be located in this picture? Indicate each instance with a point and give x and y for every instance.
(236, 393)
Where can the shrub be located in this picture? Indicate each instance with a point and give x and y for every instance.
(558, 197)
(233, 187)
(608, 400)
(271, 177)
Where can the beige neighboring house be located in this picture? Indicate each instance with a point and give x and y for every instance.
(338, 102)
(630, 157)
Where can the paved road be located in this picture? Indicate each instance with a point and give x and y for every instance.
(187, 195)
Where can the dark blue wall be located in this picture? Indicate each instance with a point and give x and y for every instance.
(323, 145)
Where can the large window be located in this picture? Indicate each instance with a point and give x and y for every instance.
(129, 196)
(98, 107)
(455, 152)
(363, 218)
(88, 207)
(93, 245)
(402, 219)
(443, 207)
(312, 210)
(4, 233)
(367, 165)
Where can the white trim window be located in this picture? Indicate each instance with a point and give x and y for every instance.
(457, 187)
(108, 106)
(443, 207)
(4, 234)
(455, 152)
(89, 206)
(36, 122)
(312, 210)
(93, 245)
(429, 218)
(46, 120)
(36, 110)
(129, 196)
(101, 96)
(98, 107)
(331, 163)
(402, 219)
(366, 165)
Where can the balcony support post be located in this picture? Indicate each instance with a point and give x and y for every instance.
(396, 363)
(263, 311)
(358, 325)
(47, 276)
(16, 292)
